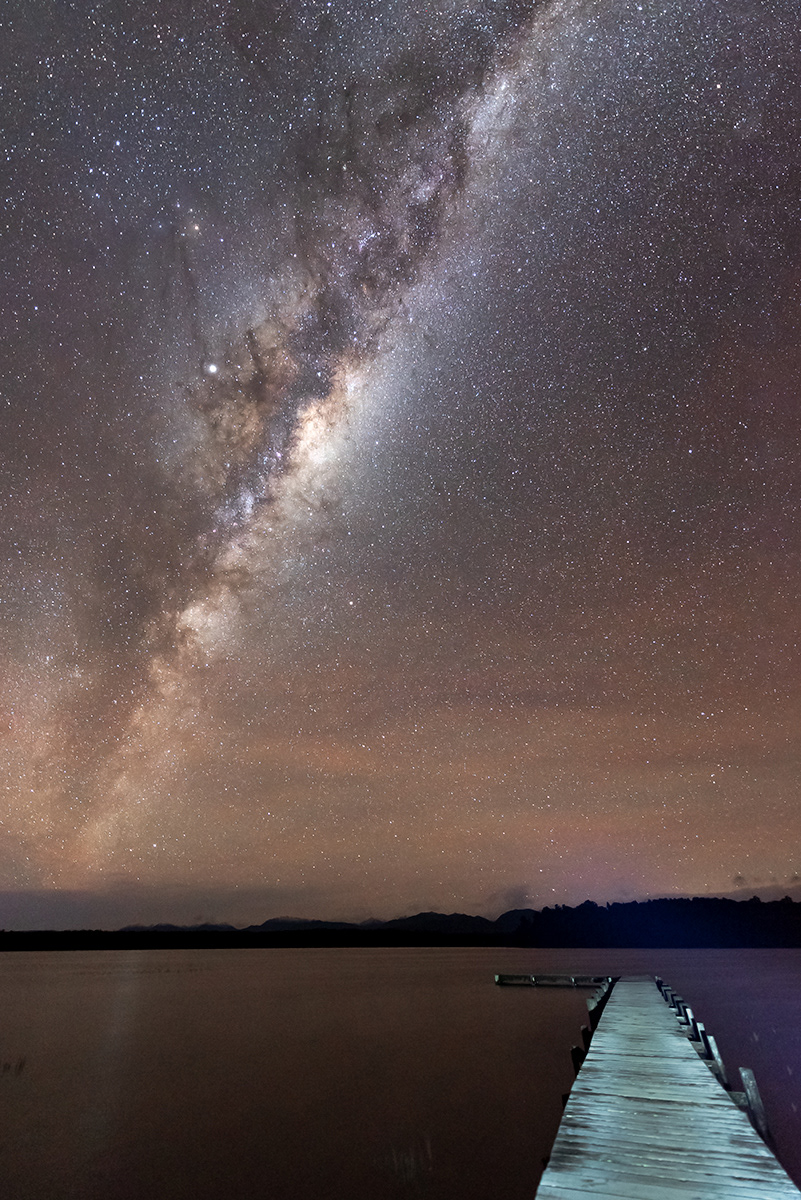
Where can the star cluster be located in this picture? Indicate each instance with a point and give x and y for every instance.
(401, 457)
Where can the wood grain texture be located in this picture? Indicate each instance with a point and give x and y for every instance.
(647, 1120)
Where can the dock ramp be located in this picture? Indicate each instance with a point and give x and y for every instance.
(646, 1118)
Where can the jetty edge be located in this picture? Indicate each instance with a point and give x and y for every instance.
(578, 981)
(649, 1116)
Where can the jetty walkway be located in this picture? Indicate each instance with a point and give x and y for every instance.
(647, 1119)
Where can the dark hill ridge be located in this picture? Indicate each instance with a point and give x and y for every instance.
(454, 923)
(287, 924)
(701, 922)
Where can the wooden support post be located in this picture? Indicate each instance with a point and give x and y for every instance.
(720, 1066)
(712, 1054)
(586, 1036)
(596, 1003)
(703, 1038)
(577, 1055)
(756, 1109)
(693, 1024)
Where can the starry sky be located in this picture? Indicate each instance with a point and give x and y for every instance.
(400, 446)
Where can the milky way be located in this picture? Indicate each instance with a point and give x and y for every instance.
(400, 437)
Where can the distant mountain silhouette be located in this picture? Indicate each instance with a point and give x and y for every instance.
(176, 928)
(702, 922)
(451, 923)
(281, 924)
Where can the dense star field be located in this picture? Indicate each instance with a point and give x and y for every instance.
(401, 457)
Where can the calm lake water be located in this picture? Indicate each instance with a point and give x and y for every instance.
(333, 1074)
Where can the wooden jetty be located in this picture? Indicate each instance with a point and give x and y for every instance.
(647, 1119)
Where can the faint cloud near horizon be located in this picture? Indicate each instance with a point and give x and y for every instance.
(516, 896)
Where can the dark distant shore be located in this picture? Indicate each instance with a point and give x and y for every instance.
(697, 923)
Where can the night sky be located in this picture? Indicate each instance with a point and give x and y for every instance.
(400, 444)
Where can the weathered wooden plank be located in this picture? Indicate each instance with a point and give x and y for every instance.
(650, 1188)
(630, 1159)
(578, 981)
(648, 1120)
